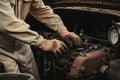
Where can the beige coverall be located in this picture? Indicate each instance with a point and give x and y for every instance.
(15, 34)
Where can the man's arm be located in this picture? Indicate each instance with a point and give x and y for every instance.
(46, 15)
(16, 28)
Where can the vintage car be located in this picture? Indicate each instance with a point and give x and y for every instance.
(97, 22)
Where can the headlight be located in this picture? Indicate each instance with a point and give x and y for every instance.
(114, 35)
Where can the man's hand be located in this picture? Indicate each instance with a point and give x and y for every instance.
(72, 38)
(54, 45)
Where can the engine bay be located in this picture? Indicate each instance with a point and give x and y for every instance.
(92, 60)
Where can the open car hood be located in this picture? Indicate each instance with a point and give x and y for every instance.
(111, 7)
(114, 4)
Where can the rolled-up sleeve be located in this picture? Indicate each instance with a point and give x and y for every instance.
(46, 15)
(16, 28)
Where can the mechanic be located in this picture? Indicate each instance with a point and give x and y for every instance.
(16, 36)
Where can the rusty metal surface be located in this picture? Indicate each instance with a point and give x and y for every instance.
(89, 9)
(88, 65)
(101, 4)
(114, 70)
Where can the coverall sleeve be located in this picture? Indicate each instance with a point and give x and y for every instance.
(46, 15)
(16, 28)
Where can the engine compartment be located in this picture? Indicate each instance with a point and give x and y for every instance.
(96, 52)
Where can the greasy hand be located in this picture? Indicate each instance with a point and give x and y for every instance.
(54, 45)
(73, 38)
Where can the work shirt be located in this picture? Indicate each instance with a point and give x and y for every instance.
(15, 33)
